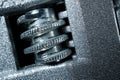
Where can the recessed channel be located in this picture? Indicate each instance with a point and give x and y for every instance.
(19, 44)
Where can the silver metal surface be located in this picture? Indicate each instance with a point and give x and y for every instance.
(63, 14)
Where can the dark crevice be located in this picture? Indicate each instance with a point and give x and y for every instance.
(117, 15)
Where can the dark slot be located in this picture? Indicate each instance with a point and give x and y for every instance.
(117, 17)
(18, 44)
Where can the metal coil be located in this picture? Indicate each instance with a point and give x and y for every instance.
(42, 30)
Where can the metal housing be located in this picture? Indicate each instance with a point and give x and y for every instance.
(95, 35)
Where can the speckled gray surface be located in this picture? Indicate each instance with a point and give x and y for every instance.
(96, 38)
(7, 61)
(96, 42)
(40, 72)
(13, 6)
